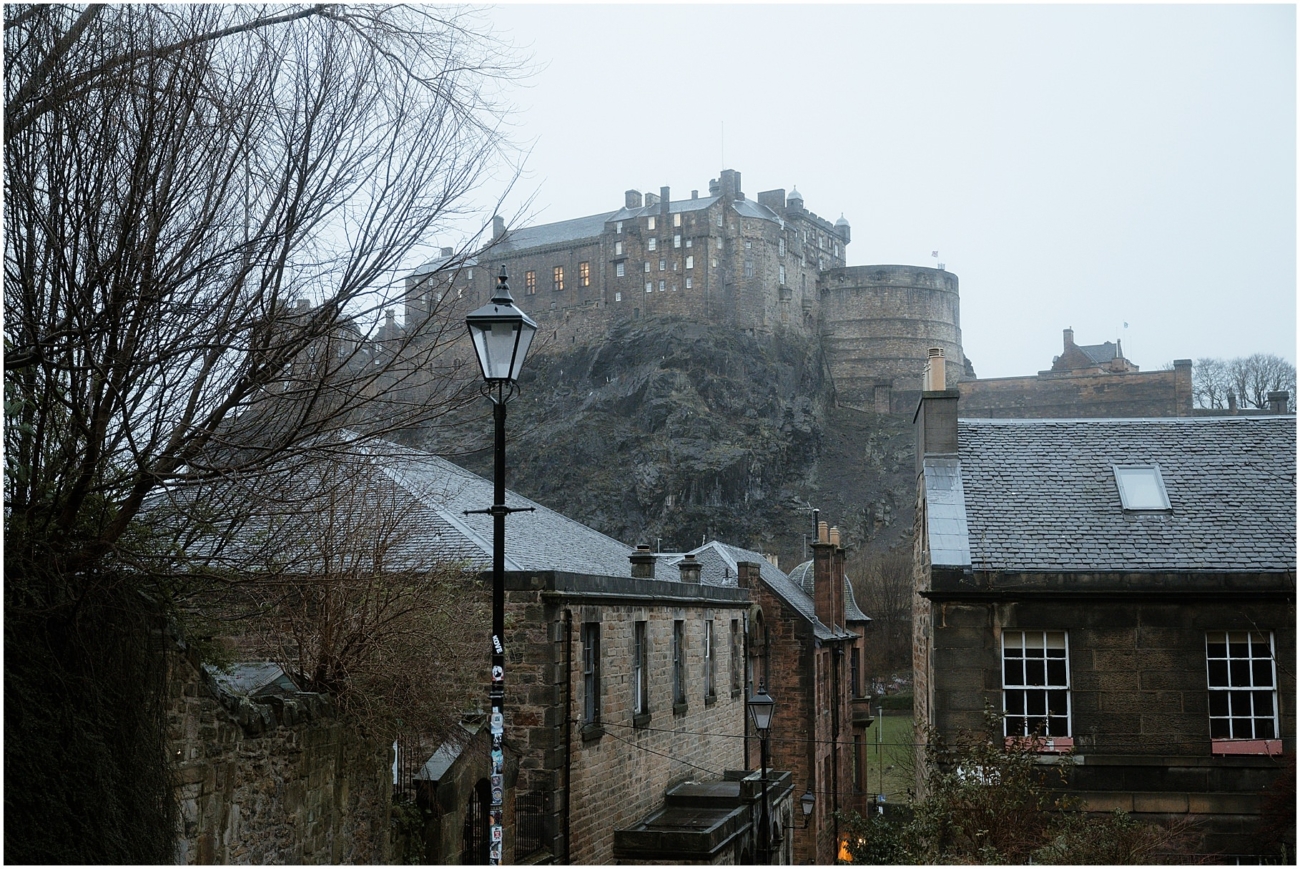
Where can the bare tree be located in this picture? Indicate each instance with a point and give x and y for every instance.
(207, 208)
(1249, 379)
(882, 586)
(336, 574)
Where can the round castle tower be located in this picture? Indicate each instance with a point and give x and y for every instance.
(878, 323)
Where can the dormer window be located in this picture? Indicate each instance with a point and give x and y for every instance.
(1141, 488)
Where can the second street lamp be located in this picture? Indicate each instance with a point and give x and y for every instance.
(502, 335)
(761, 707)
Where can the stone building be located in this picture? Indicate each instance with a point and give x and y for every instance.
(1121, 590)
(760, 265)
(1086, 380)
(805, 645)
(623, 697)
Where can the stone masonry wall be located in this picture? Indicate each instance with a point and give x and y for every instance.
(1138, 701)
(278, 783)
(620, 770)
(878, 323)
(1055, 396)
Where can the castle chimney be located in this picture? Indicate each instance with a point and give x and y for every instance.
(664, 201)
(714, 187)
(1183, 387)
(1278, 401)
(935, 378)
(651, 200)
(498, 226)
(837, 579)
(643, 562)
(695, 194)
(1069, 338)
(1232, 402)
(729, 185)
(445, 251)
(632, 199)
(690, 569)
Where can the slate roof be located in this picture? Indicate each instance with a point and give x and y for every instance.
(575, 229)
(429, 495)
(718, 567)
(1099, 353)
(802, 576)
(677, 206)
(1040, 495)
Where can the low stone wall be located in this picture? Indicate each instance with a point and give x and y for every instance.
(279, 780)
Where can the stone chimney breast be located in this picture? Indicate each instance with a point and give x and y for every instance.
(690, 569)
(1278, 401)
(643, 562)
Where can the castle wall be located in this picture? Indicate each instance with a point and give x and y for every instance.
(878, 322)
(1058, 396)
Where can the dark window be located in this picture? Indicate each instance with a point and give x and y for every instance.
(736, 652)
(591, 672)
(679, 663)
(853, 674)
(710, 659)
(1243, 685)
(1036, 683)
(640, 670)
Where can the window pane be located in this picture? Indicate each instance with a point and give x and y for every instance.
(1264, 728)
(1012, 673)
(1015, 702)
(1219, 703)
(1036, 702)
(1239, 674)
(1055, 672)
(1219, 728)
(1058, 702)
(1263, 703)
(1263, 673)
(1035, 673)
(1219, 674)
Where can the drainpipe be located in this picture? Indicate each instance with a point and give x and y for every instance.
(836, 712)
(568, 728)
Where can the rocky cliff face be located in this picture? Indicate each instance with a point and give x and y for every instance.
(672, 432)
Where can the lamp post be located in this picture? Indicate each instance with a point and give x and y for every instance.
(502, 335)
(807, 802)
(761, 707)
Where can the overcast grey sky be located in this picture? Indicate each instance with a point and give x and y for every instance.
(1081, 166)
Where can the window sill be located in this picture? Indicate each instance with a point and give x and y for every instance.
(710, 699)
(680, 708)
(1042, 744)
(641, 719)
(1246, 746)
(592, 732)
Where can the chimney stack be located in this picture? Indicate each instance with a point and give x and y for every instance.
(1069, 338)
(690, 569)
(824, 575)
(498, 226)
(643, 562)
(1278, 401)
(935, 421)
(664, 201)
(1232, 402)
(632, 199)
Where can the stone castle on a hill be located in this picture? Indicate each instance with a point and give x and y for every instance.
(763, 266)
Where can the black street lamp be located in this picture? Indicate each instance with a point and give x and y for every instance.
(761, 707)
(502, 335)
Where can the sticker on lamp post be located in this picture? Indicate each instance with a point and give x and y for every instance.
(498, 673)
(498, 724)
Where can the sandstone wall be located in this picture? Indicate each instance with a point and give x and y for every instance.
(878, 323)
(1058, 396)
(276, 782)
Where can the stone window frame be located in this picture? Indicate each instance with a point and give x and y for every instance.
(618, 248)
(649, 286)
(688, 282)
(663, 265)
(618, 297)
(690, 262)
(530, 282)
(781, 275)
(651, 242)
(557, 278)
(749, 268)
(647, 266)
(618, 227)
(662, 286)
(1242, 688)
(591, 681)
(584, 274)
(737, 656)
(650, 223)
(678, 661)
(619, 270)
(677, 240)
(677, 219)
(640, 673)
(1027, 688)
(710, 662)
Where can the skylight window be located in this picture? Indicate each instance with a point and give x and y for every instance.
(1141, 487)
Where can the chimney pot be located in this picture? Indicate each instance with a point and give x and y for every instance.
(823, 533)
(935, 375)
(835, 536)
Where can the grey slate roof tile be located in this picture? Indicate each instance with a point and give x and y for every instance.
(1041, 495)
